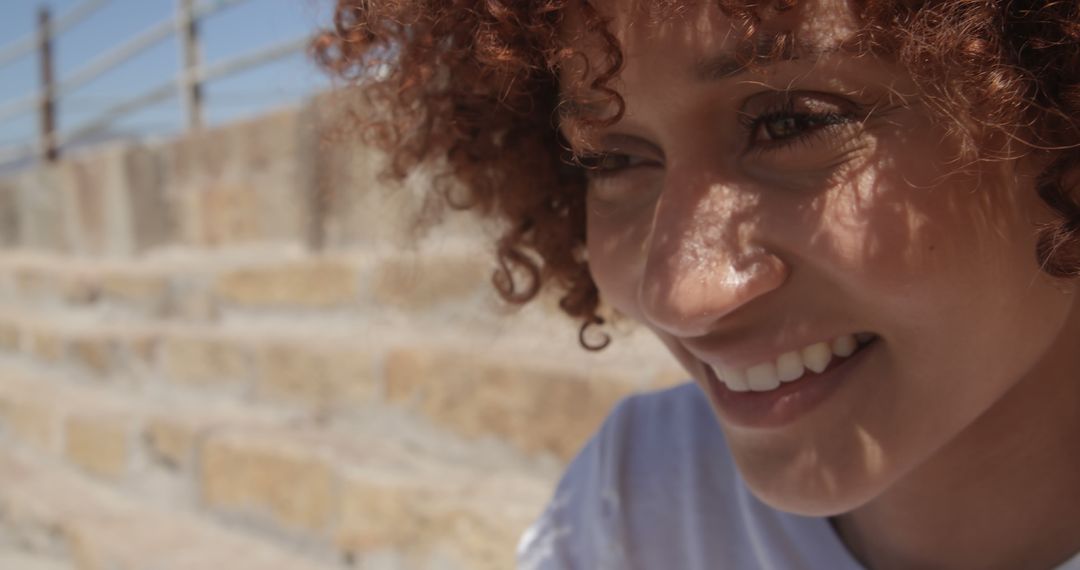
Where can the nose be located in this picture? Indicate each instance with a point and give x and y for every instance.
(706, 258)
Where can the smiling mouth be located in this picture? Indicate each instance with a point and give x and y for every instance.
(811, 360)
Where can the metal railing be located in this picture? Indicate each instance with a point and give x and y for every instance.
(188, 84)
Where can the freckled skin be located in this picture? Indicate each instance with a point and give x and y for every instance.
(925, 460)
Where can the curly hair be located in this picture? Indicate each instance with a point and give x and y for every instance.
(474, 84)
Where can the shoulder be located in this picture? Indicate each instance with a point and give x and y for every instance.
(681, 403)
(653, 436)
(650, 437)
(638, 479)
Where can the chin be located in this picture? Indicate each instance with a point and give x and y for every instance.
(814, 494)
(811, 506)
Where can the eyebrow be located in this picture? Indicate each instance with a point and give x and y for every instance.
(717, 67)
(723, 66)
(727, 64)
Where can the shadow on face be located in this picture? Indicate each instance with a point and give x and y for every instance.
(797, 200)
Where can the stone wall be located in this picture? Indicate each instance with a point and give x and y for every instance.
(237, 349)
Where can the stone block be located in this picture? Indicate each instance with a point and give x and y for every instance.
(355, 202)
(147, 294)
(267, 475)
(351, 203)
(205, 360)
(244, 146)
(321, 377)
(47, 345)
(142, 348)
(171, 440)
(421, 282)
(54, 285)
(238, 183)
(537, 407)
(31, 420)
(114, 201)
(386, 515)
(191, 299)
(9, 336)
(99, 443)
(40, 209)
(226, 212)
(9, 212)
(94, 353)
(309, 284)
(85, 188)
(425, 517)
(96, 528)
(31, 561)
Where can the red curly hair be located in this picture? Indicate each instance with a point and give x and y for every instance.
(474, 83)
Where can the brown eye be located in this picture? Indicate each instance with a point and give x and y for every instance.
(777, 120)
(783, 125)
(604, 164)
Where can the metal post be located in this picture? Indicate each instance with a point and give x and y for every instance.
(190, 87)
(47, 103)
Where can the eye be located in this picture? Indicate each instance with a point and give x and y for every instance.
(776, 120)
(601, 164)
(781, 126)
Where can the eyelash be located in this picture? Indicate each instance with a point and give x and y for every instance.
(814, 126)
(591, 163)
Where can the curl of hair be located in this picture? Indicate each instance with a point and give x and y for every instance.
(475, 83)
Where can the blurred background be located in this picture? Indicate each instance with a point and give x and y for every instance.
(227, 342)
(112, 60)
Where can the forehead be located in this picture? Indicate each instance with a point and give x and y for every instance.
(695, 37)
(645, 19)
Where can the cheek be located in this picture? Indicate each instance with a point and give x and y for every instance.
(894, 224)
(616, 247)
(944, 262)
(947, 275)
(887, 212)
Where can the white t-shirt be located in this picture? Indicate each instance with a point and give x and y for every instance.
(656, 489)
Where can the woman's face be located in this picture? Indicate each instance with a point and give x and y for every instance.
(746, 216)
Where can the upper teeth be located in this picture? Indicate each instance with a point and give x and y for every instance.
(790, 365)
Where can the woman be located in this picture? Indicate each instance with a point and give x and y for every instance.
(854, 224)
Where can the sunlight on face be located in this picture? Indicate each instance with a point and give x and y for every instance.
(741, 214)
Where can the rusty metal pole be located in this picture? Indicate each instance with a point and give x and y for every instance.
(47, 102)
(187, 28)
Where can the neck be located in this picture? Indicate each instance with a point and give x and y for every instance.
(1004, 494)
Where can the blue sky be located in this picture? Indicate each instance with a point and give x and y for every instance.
(235, 31)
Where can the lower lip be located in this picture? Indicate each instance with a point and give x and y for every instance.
(791, 400)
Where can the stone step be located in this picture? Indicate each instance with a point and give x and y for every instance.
(99, 528)
(542, 397)
(442, 290)
(387, 492)
(19, 559)
(202, 285)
